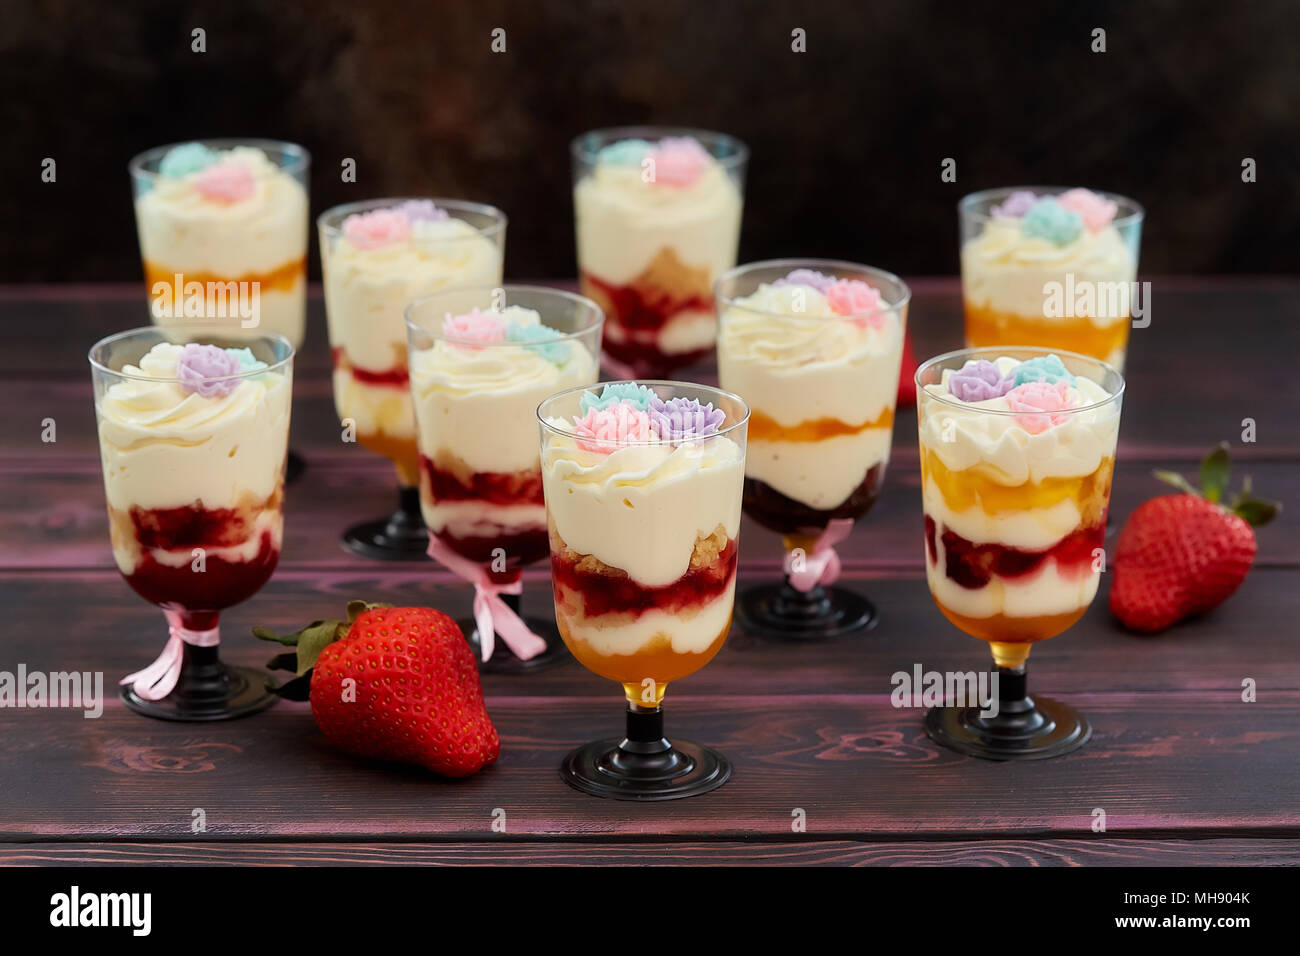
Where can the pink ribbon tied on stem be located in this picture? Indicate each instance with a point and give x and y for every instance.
(822, 565)
(159, 679)
(492, 615)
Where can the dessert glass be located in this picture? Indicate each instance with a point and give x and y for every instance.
(1059, 276)
(1017, 455)
(814, 346)
(643, 494)
(657, 217)
(377, 257)
(481, 361)
(193, 449)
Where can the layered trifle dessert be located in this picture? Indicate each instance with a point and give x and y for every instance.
(1016, 464)
(1050, 269)
(643, 502)
(817, 358)
(475, 389)
(656, 221)
(216, 223)
(377, 258)
(193, 441)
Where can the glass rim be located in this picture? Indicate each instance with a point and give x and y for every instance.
(200, 326)
(340, 212)
(649, 382)
(966, 204)
(301, 155)
(571, 297)
(969, 353)
(616, 133)
(794, 263)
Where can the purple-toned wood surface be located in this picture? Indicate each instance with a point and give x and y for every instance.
(1185, 771)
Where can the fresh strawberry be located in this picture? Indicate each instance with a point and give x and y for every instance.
(413, 694)
(1184, 554)
(907, 374)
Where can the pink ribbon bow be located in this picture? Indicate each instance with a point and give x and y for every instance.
(822, 565)
(159, 679)
(492, 615)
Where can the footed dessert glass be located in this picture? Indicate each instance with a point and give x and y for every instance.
(1017, 453)
(643, 483)
(481, 361)
(814, 346)
(657, 217)
(1050, 267)
(193, 431)
(377, 258)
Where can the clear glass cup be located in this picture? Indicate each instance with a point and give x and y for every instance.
(193, 459)
(231, 216)
(819, 370)
(1049, 282)
(479, 368)
(370, 279)
(643, 516)
(653, 237)
(1015, 489)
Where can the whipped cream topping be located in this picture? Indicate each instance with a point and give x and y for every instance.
(642, 507)
(1011, 449)
(1005, 269)
(477, 402)
(165, 445)
(623, 222)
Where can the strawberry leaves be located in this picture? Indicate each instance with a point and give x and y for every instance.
(308, 644)
(1216, 472)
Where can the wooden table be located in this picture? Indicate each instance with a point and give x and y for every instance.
(1184, 770)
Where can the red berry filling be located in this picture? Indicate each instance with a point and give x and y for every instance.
(494, 487)
(219, 585)
(611, 591)
(974, 565)
(394, 377)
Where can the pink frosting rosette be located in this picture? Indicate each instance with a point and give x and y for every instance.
(1036, 401)
(229, 181)
(1096, 210)
(617, 423)
(475, 326)
(679, 161)
(858, 299)
(377, 228)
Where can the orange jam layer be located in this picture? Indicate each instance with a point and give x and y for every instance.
(655, 661)
(986, 328)
(282, 279)
(1001, 629)
(966, 489)
(763, 428)
(403, 453)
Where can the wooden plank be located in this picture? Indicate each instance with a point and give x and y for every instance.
(794, 852)
(74, 620)
(1172, 765)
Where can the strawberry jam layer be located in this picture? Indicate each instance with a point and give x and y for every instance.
(220, 584)
(974, 565)
(517, 548)
(640, 310)
(776, 512)
(396, 377)
(612, 591)
(494, 487)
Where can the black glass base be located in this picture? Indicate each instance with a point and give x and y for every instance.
(294, 466)
(780, 611)
(503, 660)
(606, 768)
(401, 537)
(1041, 729)
(213, 691)
(644, 765)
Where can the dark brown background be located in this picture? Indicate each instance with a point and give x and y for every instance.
(847, 139)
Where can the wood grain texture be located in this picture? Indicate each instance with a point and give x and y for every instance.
(794, 852)
(1185, 771)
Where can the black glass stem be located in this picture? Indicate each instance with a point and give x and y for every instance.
(503, 660)
(783, 612)
(1024, 728)
(644, 765)
(402, 536)
(207, 690)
